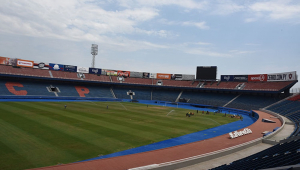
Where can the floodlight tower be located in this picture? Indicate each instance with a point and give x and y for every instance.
(94, 52)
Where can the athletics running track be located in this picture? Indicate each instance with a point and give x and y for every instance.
(178, 148)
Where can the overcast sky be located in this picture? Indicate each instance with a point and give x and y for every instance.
(160, 36)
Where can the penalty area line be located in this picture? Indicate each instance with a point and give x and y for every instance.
(170, 112)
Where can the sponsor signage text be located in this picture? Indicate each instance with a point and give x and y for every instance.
(236, 134)
(163, 76)
(70, 68)
(240, 78)
(24, 63)
(288, 76)
(258, 77)
(95, 70)
(227, 77)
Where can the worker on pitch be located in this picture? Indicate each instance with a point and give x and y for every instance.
(65, 106)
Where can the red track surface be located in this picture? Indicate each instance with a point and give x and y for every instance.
(172, 153)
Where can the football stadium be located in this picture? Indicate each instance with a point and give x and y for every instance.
(149, 85)
(58, 116)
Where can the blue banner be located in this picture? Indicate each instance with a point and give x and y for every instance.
(70, 68)
(95, 70)
(57, 67)
(227, 77)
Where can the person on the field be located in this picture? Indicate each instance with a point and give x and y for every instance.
(65, 106)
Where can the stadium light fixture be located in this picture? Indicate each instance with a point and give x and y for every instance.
(94, 52)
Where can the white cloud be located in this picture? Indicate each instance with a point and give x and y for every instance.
(205, 53)
(200, 25)
(226, 7)
(188, 4)
(277, 10)
(70, 20)
(203, 43)
(77, 21)
(250, 19)
(237, 52)
(252, 44)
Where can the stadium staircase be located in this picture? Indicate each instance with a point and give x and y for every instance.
(179, 96)
(231, 100)
(112, 93)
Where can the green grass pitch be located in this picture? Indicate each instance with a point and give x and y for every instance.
(38, 134)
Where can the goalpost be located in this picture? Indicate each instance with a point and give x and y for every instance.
(171, 103)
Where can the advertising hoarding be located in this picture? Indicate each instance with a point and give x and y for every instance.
(123, 73)
(41, 65)
(56, 67)
(70, 68)
(257, 77)
(95, 70)
(4, 60)
(146, 75)
(136, 74)
(82, 69)
(152, 75)
(163, 76)
(287, 76)
(241, 78)
(8, 61)
(103, 72)
(188, 77)
(227, 77)
(176, 77)
(25, 63)
(111, 72)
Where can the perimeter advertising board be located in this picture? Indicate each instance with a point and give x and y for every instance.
(183, 77)
(287, 76)
(111, 72)
(56, 67)
(163, 76)
(123, 73)
(8, 61)
(4, 60)
(70, 68)
(227, 77)
(41, 65)
(152, 75)
(25, 63)
(258, 77)
(176, 77)
(82, 69)
(241, 78)
(103, 72)
(188, 77)
(146, 75)
(136, 74)
(95, 70)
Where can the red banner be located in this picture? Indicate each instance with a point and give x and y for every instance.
(123, 73)
(163, 76)
(258, 77)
